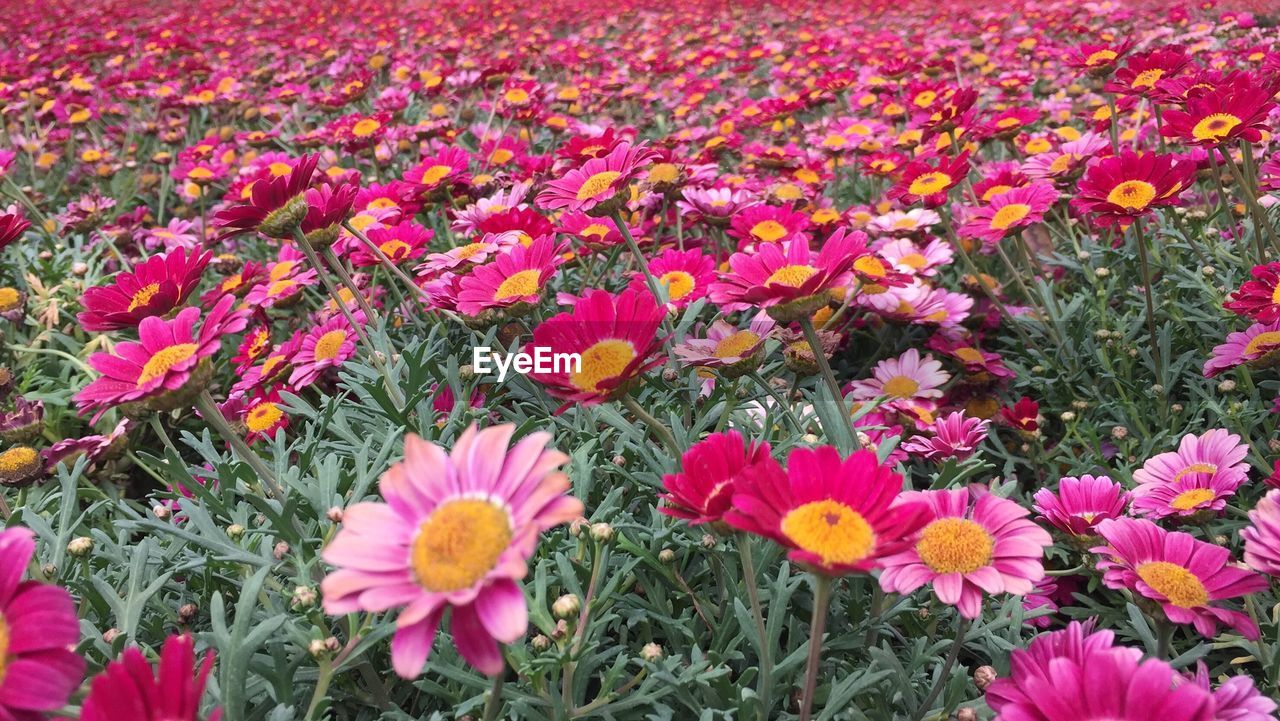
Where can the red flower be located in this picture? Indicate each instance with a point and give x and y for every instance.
(1259, 298)
(130, 690)
(928, 184)
(12, 226)
(277, 204)
(1143, 71)
(1130, 185)
(1235, 109)
(155, 287)
(1023, 415)
(703, 490)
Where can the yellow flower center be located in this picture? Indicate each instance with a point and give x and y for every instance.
(929, 183)
(1187, 500)
(435, 174)
(830, 530)
(604, 360)
(1037, 146)
(1180, 586)
(516, 96)
(678, 284)
(263, 417)
(143, 296)
(1009, 214)
(199, 173)
(520, 284)
(160, 363)
(1263, 342)
(281, 269)
(597, 184)
(768, 231)
(279, 170)
(330, 344)
(736, 344)
(281, 287)
(17, 459)
(970, 355)
(4, 647)
(458, 544)
(995, 190)
(468, 250)
(1147, 78)
(870, 265)
(1196, 468)
(955, 545)
(1215, 127)
(365, 128)
(595, 230)
(792, 276)
(1061, 164)
(500, 156)
(914, 260)
(900, 387)
(664, 173)
(1100, 57)
(9, 298)
(1132, 194)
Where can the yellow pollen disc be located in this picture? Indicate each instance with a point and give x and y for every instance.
(500, 156)
(1275, 295)
(1196, 468)
(904, 224)
(263, 417)
(970, 355)
(381, 204)
(598, 184)
(595, 230)
(330, 344)
(200, 173)
(279, 170)
(735, 345)
(1147, 78)
(678, 283)
(1037, 146)
(143, 296)
(955, 545)
(900, 387)
(516, 96)
(914, 260)
(9, 298)
(269, 365)
(830, 530)
(1187, 500)
(365, 128)
(664, 173)
(526, 282)
(604, 360)
(792, 276)
(160, 363)
(768, 231)
(1132, 194)
(4, 647)
(870, 265)
(1006, 123)
(280, 287)
(281, 269)
(1100, 57)
(394, 247)
(929, 183)
(16, 459)
(468, 250)
(458, 544)
(435, 174)
(995, 190)
(1263, 342)
(1215, 127)
(1061, 164)
(1009, 214)
(1180, 586)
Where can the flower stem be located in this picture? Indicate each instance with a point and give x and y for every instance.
(213, 416)
(817, 626)
(1149, 292)
(493, 705)
(783, 405)
(658, 427)
(938, 685)
(654, 286)
(846, 425)
(764, 689)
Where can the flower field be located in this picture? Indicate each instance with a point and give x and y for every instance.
(660, 361)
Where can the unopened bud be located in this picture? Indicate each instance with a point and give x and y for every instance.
(160, 511)
(334, 514)
(235, 531)
(966, 714)
(709, 541)
(651, 652)
(280, 551)
(540, 643)
(666, 555)
(567, 606)
(983, 676)
(80, 547)
(304, 597)
(602, 532)
(187, 613)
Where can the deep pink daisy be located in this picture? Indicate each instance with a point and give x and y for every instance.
(131, 690)
(703, 489)
(687, 275)
(1080, 504)
(326, 346)
(1009, 212)
(156, 286)
(1201, 475)
(789, 280)
(1262, 536)
(601, 185)
(516, 278)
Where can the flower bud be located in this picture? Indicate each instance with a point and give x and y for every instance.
(334, 514)
(235, 531)
(567, 606)
(602, 532)
(966, 714)
(280, 551)
(304, 597)
(187, 613)
(666, 555)
(651, 652)
(80, 547)
(540, 643)
(160, 511)
(983, 676)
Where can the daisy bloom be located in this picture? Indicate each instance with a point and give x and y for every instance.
(156, 286)
(686, 275)
(455, 534)
(277, 203)
(1080, 504)
(38, 629)
(439, 170)
(1258, 299)
(905, 378)
(835, 515)
(463, 257)
(514, 280)
(1009, 212)
(1201, 475)
(616, 338)
(928, 184)
(1262, 536)
(1236, 699)
(767, 224)
(899, 223)
(703, 489)
(716, 206)
(1184, 575)
(161, 367)
(281, 292)
(915, 258)
(1123, 187)
(326, 346)
(601, 185)
(731, 351)
(953, 436)
(1254, 346)
(131, 690)
(966, 550)
(1236, 109)
(12, 225)
(789, 280)
(264, 417)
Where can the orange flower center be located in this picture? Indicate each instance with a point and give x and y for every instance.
(604, 360)
(458, 544)
(263, 417)
(830, 530)
(1180, 586)
(1215, 127)
(143, 296)
(900, 387)
(735, 345)
(1263, 342)
(1009, 214)
(1147, 78)
(159, 364)
(768, 231)
(955, 545)
(329, 345)
(1187, 500)
(678, 283)
(435, 174)
(929, 183)
(1132, 194)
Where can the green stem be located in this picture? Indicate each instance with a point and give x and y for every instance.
(938, 685)
(764, 689)
(658, 427)
(493, 705)
(322, 687)
(213, 416)
(782, 404)
(846, 424)
(817, 626)
(1141, 239)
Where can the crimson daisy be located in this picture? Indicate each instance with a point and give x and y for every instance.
(1259, 298)
(686, 275)
(154, 287)
(789, 280)
(601, 185)
(12, 226)
(277, 203)
(1121, 188)
(1235, 109)
(922, 182)
(129, 689)
(767, 224)
(703, 489)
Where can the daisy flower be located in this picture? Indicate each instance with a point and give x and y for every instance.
(616, 338)
(1143, 71)
(596, 233)
(277, 203)
(1201, 475)
(686, 275)
(439, 170)
(924, 183)
(905, 378)
(601, 185)
(1236, 699)
(1123, 187)
(1187, 577)
(899, 223)
(513, 281)
(1258, 299)
(915, 258)
(1235, 109)
(1254, 346)
(731, 351)
(1262, 536)
(716, 206)
(703, 489)
(12, 226)
(455, 534)
(281, 292)
(463, 257)
(38, 629)
(264, 417)
(1080, 504)
(1065, 163)
(131, 690)
(154, 287)
(165, 367)
(835, 515)
(953, 436)
(1009, 212)
(789, 280)
(400, 243)
(767, 224)
(966, 550)
(326, 346)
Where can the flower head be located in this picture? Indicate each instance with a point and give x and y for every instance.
(515, 278)
(130, 690)
(790, 280)
(1201, 475)
(1080, 504)
(155, 287)
(1262, 536)
(1254, 346)
(277, 203)
(1127, 186)
(703, 489)
(928, 184)
(601, 185)
(953, 436)
(1235, 109)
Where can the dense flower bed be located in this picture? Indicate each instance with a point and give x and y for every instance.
(917, 361)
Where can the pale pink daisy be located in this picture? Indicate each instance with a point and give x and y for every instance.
(1255, 345)
(1201, 475)
(905, 378)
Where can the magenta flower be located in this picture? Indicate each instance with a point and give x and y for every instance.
(1201, 475)
(1081, 503)
(600, 186)
(130, 690)
(954, 436)
(1262, 536)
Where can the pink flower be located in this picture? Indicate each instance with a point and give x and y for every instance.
(130, 690)
(965, 551)
(903, 379)
(1262, 536)
(788, 275)
(599, 187)
(1201, 475)
(1081, 503)
(954, 436)
(703, 489)
(515, 278)
(1009, 211)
